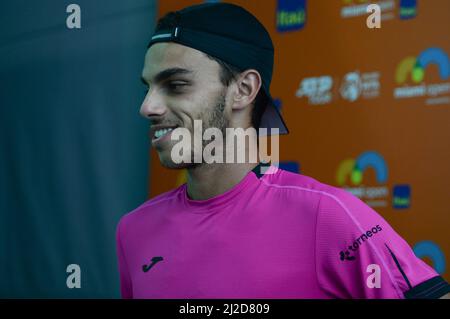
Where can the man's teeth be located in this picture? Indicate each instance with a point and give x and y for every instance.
(162, 132)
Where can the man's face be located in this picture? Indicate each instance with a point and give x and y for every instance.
(184, 85)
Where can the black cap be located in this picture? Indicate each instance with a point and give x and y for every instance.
(233, 35)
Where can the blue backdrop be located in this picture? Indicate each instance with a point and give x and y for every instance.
(73, 148)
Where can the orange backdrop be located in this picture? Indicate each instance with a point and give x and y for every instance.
(368, 109)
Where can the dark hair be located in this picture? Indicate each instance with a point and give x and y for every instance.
(228, 72)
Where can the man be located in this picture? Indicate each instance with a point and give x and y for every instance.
(230, 231)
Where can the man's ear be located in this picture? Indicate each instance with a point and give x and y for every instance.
(248, 85)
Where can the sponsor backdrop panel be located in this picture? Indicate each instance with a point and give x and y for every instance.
(368, 109)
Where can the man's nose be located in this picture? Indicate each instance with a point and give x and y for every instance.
(153, 105)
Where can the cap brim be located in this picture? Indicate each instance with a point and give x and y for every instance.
(271, 118)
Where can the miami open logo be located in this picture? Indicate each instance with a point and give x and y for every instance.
(428, 249)
(356, 84)
(351, 171)
(412, 75)
(356, 8)
(350, 176)
(407, 9)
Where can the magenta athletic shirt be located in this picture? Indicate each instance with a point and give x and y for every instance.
(279, 235)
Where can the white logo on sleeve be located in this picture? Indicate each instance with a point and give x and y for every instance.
(374, 279)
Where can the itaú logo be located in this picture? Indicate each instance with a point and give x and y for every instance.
(291, 15)
(412, 71)
(408, 9)
(350, 176)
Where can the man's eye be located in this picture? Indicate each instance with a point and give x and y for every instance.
(174, 86)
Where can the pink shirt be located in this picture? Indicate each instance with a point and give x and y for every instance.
(280, 235)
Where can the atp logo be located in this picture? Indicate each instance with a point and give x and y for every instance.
(413, 70)
(352, 170)
(352, 86)
(291, 15)
(317, 89)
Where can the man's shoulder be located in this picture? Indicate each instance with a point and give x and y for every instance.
(332, 204)
(151, 204)
(309, 190)
(283, 179)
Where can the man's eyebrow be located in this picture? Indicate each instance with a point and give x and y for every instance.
(163, 75)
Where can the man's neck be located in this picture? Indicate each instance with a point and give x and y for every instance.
(209, 180)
